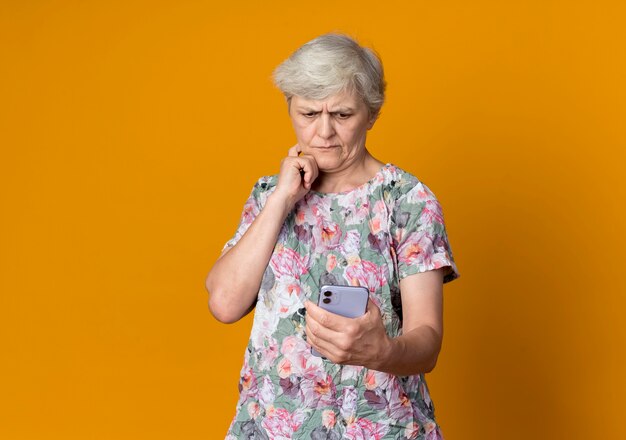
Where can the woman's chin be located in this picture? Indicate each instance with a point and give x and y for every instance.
(327, 162)
(327, 166)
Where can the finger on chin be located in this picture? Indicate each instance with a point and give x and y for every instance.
(294, 151)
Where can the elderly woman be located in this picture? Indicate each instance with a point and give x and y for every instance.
(335, 215)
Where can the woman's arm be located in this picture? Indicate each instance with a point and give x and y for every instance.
(417, 349)
(364, 341)
(235, 278)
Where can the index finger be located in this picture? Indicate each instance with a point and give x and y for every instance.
(294, 151)
(327, 319)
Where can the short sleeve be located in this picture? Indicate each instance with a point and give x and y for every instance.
(419, 234)
(251, 209)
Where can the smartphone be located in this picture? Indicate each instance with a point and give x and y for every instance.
(348, 301)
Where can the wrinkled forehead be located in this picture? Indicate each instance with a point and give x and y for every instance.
(338, 101)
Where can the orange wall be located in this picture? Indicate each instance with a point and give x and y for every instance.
(131, 133)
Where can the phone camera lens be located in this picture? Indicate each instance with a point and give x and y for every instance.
(326, 300)
(327, 294)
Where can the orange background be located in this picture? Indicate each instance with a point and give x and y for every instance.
(131, 133)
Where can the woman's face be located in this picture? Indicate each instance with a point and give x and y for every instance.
(332, 130)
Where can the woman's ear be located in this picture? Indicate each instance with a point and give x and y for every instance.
(372, 120)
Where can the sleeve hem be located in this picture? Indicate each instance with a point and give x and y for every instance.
(451, 275)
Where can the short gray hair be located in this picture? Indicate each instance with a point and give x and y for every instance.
(330, 64)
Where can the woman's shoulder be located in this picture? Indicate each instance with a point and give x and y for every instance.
(394, 175)
(402, 184)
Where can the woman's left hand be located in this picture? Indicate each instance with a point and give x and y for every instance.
(360, 341)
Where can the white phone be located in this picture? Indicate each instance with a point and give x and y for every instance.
(348, 301)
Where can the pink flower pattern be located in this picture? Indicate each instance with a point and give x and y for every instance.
(281, 424)
(366, 274)
(373, 236)
(366, 429)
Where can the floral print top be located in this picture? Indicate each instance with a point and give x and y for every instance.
(374, 235)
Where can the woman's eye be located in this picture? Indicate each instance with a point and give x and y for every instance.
(308, 115)
(343, 115)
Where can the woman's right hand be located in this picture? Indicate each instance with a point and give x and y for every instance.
(297, 174)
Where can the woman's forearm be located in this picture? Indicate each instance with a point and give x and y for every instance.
(413, 352)
(234, 280)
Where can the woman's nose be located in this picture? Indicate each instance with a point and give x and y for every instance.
(325, 127)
